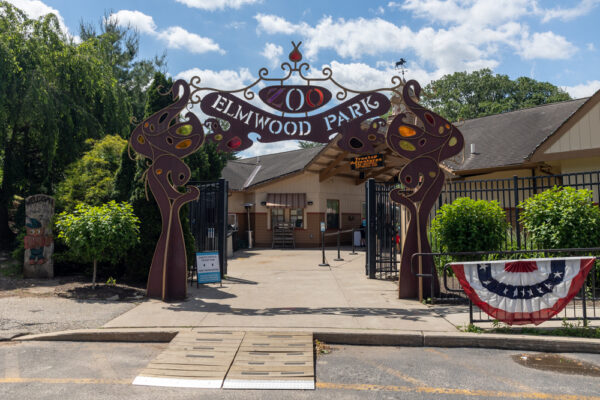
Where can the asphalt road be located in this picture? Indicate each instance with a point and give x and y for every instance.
(80, 370)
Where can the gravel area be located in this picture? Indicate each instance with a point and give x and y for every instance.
(23, 315)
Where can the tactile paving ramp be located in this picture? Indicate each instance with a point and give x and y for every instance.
(273, 360)
(194, 360)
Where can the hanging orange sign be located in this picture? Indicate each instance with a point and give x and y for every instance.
(367, 162)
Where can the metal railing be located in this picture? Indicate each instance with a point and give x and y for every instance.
(582, 307)
(509, 192)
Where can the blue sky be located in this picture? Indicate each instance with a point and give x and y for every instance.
(226, 42)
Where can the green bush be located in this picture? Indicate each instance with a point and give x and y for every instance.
(469, 225)
(99, 233)
(561, 218)
(91, 179)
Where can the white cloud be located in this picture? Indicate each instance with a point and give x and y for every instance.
(473, 35)
(35, 9)
(212, 5)
(457, 48)
(567, 14)
(274, 24)
(583, 90)
(175, 37)
(480, 12)
(179, 38)
(223, 79)
(546, 45)
(590, 46)
(272, 52)
(135, 19)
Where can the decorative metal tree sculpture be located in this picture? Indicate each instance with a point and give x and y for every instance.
(425, 142)
(165, 138)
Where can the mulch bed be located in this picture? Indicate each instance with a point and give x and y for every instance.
(101, 292)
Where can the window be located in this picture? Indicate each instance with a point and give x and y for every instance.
(333, 214)
(297, 217)
(277, 216)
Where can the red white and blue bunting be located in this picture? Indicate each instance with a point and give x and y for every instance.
(524, 291)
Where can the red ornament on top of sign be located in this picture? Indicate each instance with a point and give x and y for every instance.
(295, 55)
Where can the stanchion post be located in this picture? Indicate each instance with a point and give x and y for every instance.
(339, 257)
(353, 244)
(323, 263)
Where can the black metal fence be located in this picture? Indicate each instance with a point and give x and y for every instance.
(383, 222)
(208, 219)
(509, 192)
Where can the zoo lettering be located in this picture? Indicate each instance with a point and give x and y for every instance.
(232, 108)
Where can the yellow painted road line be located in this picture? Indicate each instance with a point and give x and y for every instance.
(396, 373)
(507, 381)
(339, 386)
(451, 391)
(79, 381)
(437, 352)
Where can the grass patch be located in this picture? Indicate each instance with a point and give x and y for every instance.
(568, 329)
(12, 271)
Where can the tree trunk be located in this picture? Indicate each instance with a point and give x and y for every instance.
(94, 274)
(7, 236)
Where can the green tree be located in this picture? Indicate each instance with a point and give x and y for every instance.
(119, 47)
(464, 95)
(99, 233)
(308, 145)
(470, 225)
(53, 96)
(91, 179)
(562, 218)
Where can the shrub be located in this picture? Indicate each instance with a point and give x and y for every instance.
(469, 225)
(561, 218)
(99, 233)
(91, 179)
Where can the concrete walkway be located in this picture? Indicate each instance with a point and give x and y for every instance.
(287, 289)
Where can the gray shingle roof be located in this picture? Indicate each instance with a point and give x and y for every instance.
(501, 140)
(246, 172)
(507, 139)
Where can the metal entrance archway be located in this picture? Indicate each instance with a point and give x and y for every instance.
(167, 137)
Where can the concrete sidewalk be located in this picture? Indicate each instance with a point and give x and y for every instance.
(287, 289)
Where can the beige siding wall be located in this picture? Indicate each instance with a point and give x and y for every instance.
(580, 164)
(350, 196)
(584, 135)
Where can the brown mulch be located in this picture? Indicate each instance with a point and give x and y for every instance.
(71, 287)
(118, 292)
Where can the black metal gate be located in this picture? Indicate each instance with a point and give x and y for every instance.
(208, 220)
(383, 218)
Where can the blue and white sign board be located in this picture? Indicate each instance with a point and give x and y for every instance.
(208, 267)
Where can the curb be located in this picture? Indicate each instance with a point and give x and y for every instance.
(105, 335)
(347, 337)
